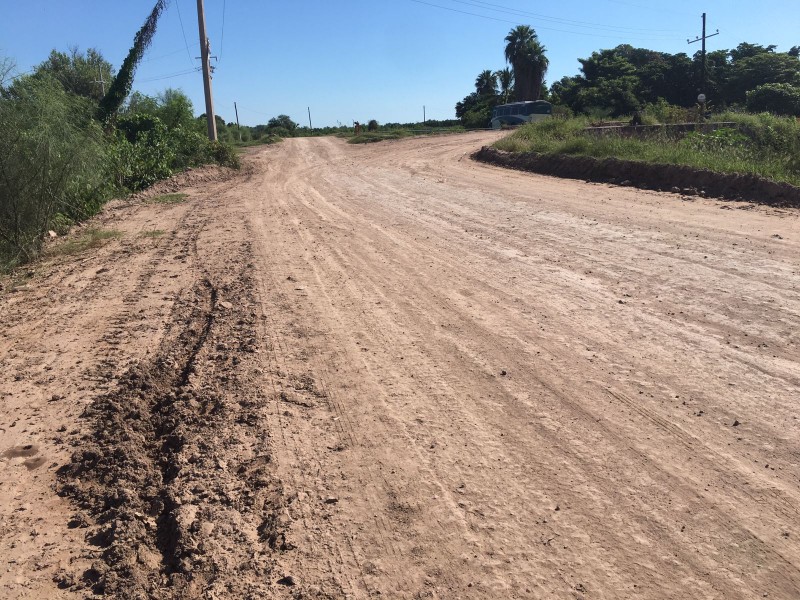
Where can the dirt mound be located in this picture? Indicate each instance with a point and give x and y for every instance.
(192, 177)
(675, 178)
(175, 481)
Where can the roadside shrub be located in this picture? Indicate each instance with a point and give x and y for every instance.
(143, 152)
(372, 125)
(664, 112)
(776, 98)
(53, 160)
(224, 155)
(562, 112)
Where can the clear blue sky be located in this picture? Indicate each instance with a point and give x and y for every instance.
(364, 59)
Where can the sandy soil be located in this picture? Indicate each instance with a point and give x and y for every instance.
(391, 371)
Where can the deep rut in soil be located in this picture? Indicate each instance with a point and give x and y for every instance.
(175, 481)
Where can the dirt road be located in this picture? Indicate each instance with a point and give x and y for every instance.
(391, 371)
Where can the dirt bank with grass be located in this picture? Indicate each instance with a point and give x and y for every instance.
(670, 178)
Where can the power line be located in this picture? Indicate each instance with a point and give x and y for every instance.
(167, 55)
(569, 22)
(222, 36)
(583, 33)
(170, 76)
(183, 32)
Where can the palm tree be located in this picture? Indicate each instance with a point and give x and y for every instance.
(526, 56)
(486, 83)
(506, 79)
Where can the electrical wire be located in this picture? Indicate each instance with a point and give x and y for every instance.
(583, 33)
(222, 37)
(559, 20)
(170, 76)
(183, 31)
(173, 53)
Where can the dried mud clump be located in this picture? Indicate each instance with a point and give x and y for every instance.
(175, 480)
(687, 180)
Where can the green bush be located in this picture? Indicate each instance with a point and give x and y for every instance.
(776, 98)
(143, 152)
(53, 160)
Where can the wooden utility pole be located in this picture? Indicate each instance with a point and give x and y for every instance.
(309, 120)
(238, 129)
(101, 81)
(205, 51)
(423, 115)
(703, 53)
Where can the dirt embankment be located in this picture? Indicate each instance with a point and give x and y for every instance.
(669, 178)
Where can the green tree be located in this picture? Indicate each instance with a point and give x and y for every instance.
(79, 73)
(283, 121)
(759, 69)
(526, 55)
(486, 83)
(505, 78)
(777, 98)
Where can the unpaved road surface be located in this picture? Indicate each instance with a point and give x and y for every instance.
(391, 371)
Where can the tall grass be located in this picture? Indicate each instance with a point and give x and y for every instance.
(762, 144)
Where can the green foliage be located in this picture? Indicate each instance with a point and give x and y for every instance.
(121, 86)
(663, 112)
(53, 161)
(486, 83)
(624, 79)
(79, 73)
(143, 153)
(282, 122)
(372, 125)
(526, 55)
(776, 98)
(505, 79)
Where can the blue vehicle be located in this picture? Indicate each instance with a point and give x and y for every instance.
(518, 113)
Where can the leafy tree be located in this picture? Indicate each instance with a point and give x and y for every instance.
(283, 121)
(79, 73)
(505, 77)
(777, 98)
(526, 55)
(372, 125)
(794, 51)
(745, 50)
(486, 83)
(759, 69)
(173, 108)
(121, 86)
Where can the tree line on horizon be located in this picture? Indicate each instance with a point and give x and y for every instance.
(622, 80)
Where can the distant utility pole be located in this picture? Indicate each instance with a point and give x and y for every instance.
(309, 119)
(101, 81)
(205, 50)
(703, 52)
(238, 129)
(423, 115)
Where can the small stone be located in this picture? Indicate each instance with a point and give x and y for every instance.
(503, 373)
(331, 500)
(52, 234)
(736, 423)
(226, 305)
